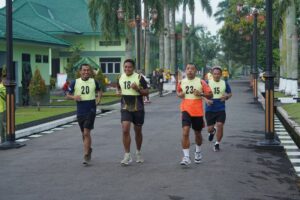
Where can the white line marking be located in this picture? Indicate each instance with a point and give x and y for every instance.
(57, 129)
(22, 140)
(293, 153)
(35, 136)
(282, 137)
(297, 169)
(287, 142)
(67, 126)
(295, 160)
(290, 147)
(47, 132)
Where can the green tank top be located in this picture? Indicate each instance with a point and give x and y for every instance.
(218, 88)
(85, 89)
(188, 87)
(125, 82)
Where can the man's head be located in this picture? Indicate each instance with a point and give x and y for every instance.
(85, 71)
(190, 70)
(217, 73)
(129, 66)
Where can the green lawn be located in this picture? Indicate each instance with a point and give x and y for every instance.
(293, 110)
(280, 94)
(29, 114)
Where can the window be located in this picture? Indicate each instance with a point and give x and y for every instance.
(38, 58)
(110, 65)
(45, 59)
(110, 43)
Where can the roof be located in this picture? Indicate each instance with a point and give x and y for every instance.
(27, 33)
(55, 16)
(86, 60)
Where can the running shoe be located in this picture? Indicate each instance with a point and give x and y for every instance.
(185, 161)
(211, 135)
(139, 158)
(87, 157)
(217, 147)
(127, 159)
(198, 157)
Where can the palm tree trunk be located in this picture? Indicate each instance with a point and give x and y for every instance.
(166, 36)
(147, 41)
(128, 46)
(161, 49)
(292, 51)
(183, 36)
(282, 80)
(173, 41)
(192, 27)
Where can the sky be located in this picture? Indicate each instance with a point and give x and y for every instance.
(201, 18)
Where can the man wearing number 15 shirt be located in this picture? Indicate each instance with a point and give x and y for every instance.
(87, 94)
(132, 87)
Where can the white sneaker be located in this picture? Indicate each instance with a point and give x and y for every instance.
(127, 159)
(198, 157)
(185, 161)
(139, 158)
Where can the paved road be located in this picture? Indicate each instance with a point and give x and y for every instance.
(50, 167)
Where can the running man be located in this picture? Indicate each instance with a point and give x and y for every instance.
(215, 108)
(87, 94)
(132, 87)
(191, 90)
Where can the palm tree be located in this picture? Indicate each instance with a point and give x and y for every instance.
(222, 12)
(288, 43)
(207, 8)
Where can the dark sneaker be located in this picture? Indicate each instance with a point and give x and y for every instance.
(217, 147)
(211, 135)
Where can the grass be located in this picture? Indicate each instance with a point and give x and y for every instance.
(293, 110)
(280, 94)
(29, 114)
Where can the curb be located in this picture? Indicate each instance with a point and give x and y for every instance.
(52, 124)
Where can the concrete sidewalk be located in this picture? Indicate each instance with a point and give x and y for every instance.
(49, 167)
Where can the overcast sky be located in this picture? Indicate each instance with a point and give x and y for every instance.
(200, 17)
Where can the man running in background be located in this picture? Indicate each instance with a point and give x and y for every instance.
(215, 108)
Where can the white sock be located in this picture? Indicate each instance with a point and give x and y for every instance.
(198, 148)
(186, 152)
(217, 142)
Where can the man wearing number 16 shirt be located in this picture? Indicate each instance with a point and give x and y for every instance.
(87, 94)
(132, 87)
(191, 90)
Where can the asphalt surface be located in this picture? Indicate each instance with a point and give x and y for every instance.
(50, 167)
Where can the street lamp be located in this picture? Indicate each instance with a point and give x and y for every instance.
(138, 23)
(10, 84)
(253, 14)
(269, 141)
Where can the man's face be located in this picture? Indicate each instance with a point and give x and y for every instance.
(217, 74)
(190, 71)
(128, 68)
(85, 72)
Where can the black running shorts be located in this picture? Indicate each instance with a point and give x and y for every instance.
(137, 117)
(86, 121)
(213, 117)
(197, 123)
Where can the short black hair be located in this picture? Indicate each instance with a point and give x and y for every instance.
(217, 68)
(84, 64)
(193, 64)
(130, 61)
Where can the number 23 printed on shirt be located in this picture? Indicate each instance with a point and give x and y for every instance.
(189, 89)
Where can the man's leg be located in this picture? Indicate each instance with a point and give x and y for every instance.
(185, 143)
(138, 136)
(198, 138)
(87, 140)
(126, 135)
(220, 127)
